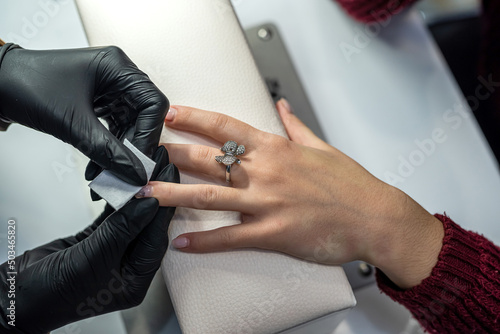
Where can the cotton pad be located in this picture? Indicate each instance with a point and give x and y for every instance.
(114, 190)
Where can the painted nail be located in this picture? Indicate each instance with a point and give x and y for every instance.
(146, 191)
(171, 114)
(181, 242)
(285, 104)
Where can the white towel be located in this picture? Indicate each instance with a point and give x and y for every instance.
(196, 52)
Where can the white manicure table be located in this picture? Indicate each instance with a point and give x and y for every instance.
(390, 103)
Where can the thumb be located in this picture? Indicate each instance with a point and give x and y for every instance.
(296, 130)
(247, 235)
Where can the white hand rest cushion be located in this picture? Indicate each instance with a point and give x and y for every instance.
(196, 53)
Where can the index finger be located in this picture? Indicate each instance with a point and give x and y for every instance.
(211, 124)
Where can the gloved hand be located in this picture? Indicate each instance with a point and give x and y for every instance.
(107, 267)
(63, 92)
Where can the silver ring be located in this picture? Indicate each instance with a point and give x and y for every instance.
(231, 150)
(228, 173)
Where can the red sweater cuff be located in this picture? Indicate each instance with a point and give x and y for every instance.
(462, 295)
(375, 10)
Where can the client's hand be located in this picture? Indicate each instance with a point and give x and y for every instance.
(107, 267)
(301, 197)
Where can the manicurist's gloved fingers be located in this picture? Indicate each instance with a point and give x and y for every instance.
(152, 106)
(115, 234)
(95, 141)
(145, 254)
(108, 210)
(127, 98)
(91, 172)
(63, 92)
(63, 243)
(107, 267)
(93, 169)
(161, 158)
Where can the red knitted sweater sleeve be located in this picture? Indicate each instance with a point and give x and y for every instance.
(462, 295)
(374, 10)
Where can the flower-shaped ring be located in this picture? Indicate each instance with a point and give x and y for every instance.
(231, 151)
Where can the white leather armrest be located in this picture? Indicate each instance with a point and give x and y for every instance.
(195, 51)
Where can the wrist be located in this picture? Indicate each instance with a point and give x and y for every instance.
(407, 242)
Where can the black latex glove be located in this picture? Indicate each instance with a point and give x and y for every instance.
(63, 92)
(107, 267)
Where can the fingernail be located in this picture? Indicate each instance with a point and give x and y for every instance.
(146, 191)
(285, 104)
(181, 242)
(171, 114)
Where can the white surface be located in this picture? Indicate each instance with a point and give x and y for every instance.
(397, 87)
(244, 291)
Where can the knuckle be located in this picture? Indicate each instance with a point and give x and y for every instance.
(268, 176)
(203, 155)
(184, 116)
(272, 175)
(205, 197)
(164, 190)
(218, 121)
(158, 104)
(114, 51)
(225, 238)
(273, 142)
(275, 201)
(163, 102)
(280, 143)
